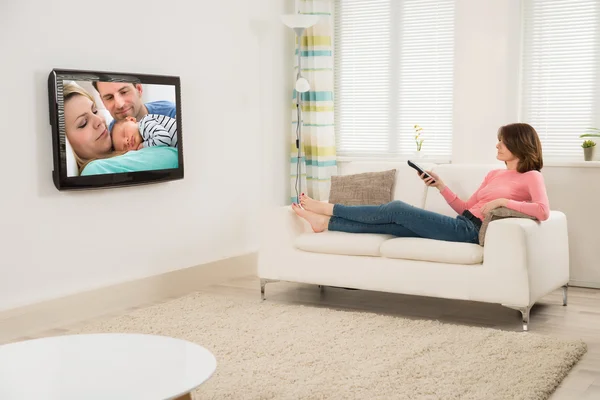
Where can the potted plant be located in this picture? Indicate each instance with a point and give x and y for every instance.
(589, 147)
(418, 140)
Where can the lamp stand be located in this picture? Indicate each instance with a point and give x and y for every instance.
(299, 23)
(299, 32)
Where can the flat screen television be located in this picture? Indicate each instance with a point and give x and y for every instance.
(112, 129)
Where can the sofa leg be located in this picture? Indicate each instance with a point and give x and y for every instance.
(565, 288)
(263, 283)
(525, 314)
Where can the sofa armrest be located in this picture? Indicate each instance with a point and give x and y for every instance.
(278, 231)
(529, 252)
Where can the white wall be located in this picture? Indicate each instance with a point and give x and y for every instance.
(234, 89)
(576, 192)
(486, 75)
(486, 97)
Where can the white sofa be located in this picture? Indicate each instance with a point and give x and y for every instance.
(522, 260)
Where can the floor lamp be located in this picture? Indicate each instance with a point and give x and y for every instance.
(299, 23)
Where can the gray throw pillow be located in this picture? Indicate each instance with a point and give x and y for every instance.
(367, 188)
(499, 213)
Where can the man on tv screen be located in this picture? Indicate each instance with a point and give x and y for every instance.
(123, 99)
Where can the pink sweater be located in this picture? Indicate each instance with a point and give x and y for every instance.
(526, 192)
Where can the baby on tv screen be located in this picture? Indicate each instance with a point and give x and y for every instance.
(114, 129)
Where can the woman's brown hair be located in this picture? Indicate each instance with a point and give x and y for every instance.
(69, 91)
(524, 143)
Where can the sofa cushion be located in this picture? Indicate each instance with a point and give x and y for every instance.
(432, 250)
(368, 188)
(331, 242)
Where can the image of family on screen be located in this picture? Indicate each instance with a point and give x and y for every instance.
(116, 127)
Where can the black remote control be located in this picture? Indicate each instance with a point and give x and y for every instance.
(420, 170)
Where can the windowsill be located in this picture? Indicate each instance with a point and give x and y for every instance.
(426, 160)
(572, 164)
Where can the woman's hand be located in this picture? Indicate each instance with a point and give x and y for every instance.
(493, 204)
(439, 184)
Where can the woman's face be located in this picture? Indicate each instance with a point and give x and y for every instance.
(503, 153)
(86, 129)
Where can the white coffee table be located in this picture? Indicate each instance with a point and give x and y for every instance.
(103, 366)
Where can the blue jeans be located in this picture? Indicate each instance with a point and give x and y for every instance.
(398, 218)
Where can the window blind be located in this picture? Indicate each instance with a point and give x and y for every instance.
(559, 77)
(393, 69)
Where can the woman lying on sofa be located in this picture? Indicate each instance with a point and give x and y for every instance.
(519, 187)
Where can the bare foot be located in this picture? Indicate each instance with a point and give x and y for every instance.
(315, 206)
(317, 222)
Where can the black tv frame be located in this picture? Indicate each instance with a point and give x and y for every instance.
(56, 110)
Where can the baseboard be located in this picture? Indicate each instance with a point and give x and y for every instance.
(33, 319)
(585, 284)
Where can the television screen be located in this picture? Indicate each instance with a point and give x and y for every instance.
(114, 129)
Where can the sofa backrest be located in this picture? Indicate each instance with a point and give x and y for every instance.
(463, 179)
(408, 187)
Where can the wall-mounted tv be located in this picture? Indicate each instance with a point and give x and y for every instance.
(113, 129)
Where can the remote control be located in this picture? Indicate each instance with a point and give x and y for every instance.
(420, 170)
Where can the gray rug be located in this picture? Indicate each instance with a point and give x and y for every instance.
(267, 350)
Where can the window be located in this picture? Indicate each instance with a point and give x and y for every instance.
(560, 73)
(393, 69)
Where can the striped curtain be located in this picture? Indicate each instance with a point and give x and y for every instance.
(318, 152)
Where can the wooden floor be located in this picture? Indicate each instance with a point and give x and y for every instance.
(579, 320)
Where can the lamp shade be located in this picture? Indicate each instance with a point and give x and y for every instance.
(299, 20)
(302, 85)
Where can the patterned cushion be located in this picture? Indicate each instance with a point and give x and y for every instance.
(368, 188)
(499, 213)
